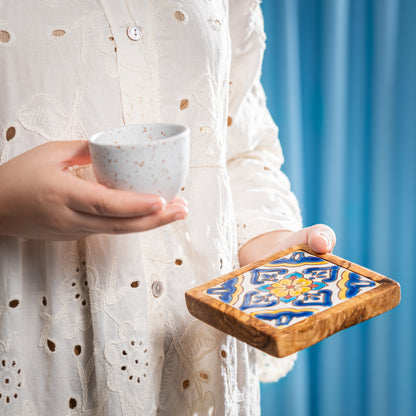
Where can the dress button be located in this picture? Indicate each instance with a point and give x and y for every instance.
(157, 288)
(134, 32)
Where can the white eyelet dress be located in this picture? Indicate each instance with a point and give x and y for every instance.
(99, 326)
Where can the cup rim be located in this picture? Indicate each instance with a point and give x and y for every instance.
(95, 137)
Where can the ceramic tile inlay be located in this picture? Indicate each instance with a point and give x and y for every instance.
(291, 288)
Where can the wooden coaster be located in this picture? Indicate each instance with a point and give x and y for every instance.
(292, 300)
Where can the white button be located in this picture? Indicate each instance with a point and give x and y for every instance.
(134, 32)
(157, 288)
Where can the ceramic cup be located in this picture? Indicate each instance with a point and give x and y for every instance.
(147, 158)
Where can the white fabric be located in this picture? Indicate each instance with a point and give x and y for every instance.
(81, 330)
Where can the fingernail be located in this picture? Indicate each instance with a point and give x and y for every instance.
(327, 240)
(158, 205)
(181, 215)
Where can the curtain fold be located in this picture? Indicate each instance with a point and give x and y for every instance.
(340, 76)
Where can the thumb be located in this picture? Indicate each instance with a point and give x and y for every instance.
(70, 153)
(320, 238)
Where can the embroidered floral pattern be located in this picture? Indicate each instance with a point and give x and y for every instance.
(128, 361)
(12, 380)
(207, 94)
(11, 377)
(182, 372)
(43, 115)
(129, 358)
(102, 298)
(73, 294)
(106, 42)
(202, 406)
(74, 314)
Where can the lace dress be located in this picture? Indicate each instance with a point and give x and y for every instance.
(99, 326)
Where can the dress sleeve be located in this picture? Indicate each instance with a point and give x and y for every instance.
(262, 197)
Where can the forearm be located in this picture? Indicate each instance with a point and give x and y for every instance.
(261, 246)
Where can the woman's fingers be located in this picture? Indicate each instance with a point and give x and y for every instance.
(95, 199)
(89, 224)
(319, 237)
(99, 209)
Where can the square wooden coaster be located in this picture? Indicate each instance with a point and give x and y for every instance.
(292, 300)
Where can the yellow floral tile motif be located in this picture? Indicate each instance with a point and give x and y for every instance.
(291, 288)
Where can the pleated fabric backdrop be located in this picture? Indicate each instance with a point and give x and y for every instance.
(340, 76)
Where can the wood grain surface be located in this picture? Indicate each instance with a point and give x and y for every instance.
(282, 341)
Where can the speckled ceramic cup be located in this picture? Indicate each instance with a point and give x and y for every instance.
(146, 158)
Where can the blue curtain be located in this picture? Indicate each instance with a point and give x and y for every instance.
(340, 76)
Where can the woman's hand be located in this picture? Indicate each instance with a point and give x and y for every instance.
(320, 239)
(41, 199)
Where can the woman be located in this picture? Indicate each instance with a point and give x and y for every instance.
(92, 280)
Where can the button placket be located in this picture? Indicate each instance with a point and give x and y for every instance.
(137, 59)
